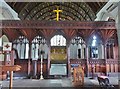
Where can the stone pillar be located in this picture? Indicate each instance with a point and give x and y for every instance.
(118, 33)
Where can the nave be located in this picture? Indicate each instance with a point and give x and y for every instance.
(56, 83)
(47, 46)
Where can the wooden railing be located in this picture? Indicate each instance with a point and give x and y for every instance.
(110, 65)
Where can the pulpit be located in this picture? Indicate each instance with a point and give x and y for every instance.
(78, 76)
(8, 65)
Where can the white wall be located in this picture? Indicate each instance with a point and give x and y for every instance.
(7, 13)
(104, 13)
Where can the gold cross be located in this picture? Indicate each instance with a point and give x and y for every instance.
(57, 13)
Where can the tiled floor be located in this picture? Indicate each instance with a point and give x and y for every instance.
(64, 82)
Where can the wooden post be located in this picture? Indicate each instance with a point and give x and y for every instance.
(11, 80)
(87, 62)
(105, 51)
(29, 62)
(10, 68)
(48, 64)
(68, 61)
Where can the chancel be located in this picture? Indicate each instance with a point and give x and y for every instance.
(61, 44)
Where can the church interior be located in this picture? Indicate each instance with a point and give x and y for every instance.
(54, 43)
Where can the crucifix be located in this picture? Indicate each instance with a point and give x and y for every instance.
(57, 13)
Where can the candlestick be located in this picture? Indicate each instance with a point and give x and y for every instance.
(41, 71)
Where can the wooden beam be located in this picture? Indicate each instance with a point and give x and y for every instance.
(57, 24)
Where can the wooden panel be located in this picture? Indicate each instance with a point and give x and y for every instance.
(10, 68)
(108, 67)
(57, 25)
(23, 63)
(116, 67)
(24, 66)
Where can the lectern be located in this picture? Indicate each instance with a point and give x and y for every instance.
(78, 76)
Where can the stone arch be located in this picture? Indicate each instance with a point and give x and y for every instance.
(7, 11)
(5, 38)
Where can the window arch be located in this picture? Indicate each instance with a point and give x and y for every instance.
(109, 48)
(95, 47)
(38, 45)
(77, 48)
(58, 40)
(22, 46)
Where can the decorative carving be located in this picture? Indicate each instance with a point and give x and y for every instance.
(57, 25)
(78, 76)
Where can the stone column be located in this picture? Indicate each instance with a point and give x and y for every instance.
(118, 32)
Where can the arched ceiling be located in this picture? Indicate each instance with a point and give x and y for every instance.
(78, 11)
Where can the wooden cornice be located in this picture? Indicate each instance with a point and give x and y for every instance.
(57, 25)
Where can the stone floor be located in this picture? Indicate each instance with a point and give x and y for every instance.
(53, 83)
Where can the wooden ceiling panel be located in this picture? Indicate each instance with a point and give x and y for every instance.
(85, 33)
(106, 34)
(69, 33)
(28, 10)
(29, 33)
(48, 33)
(12, 34)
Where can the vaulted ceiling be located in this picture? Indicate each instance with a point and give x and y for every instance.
(78, 11)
